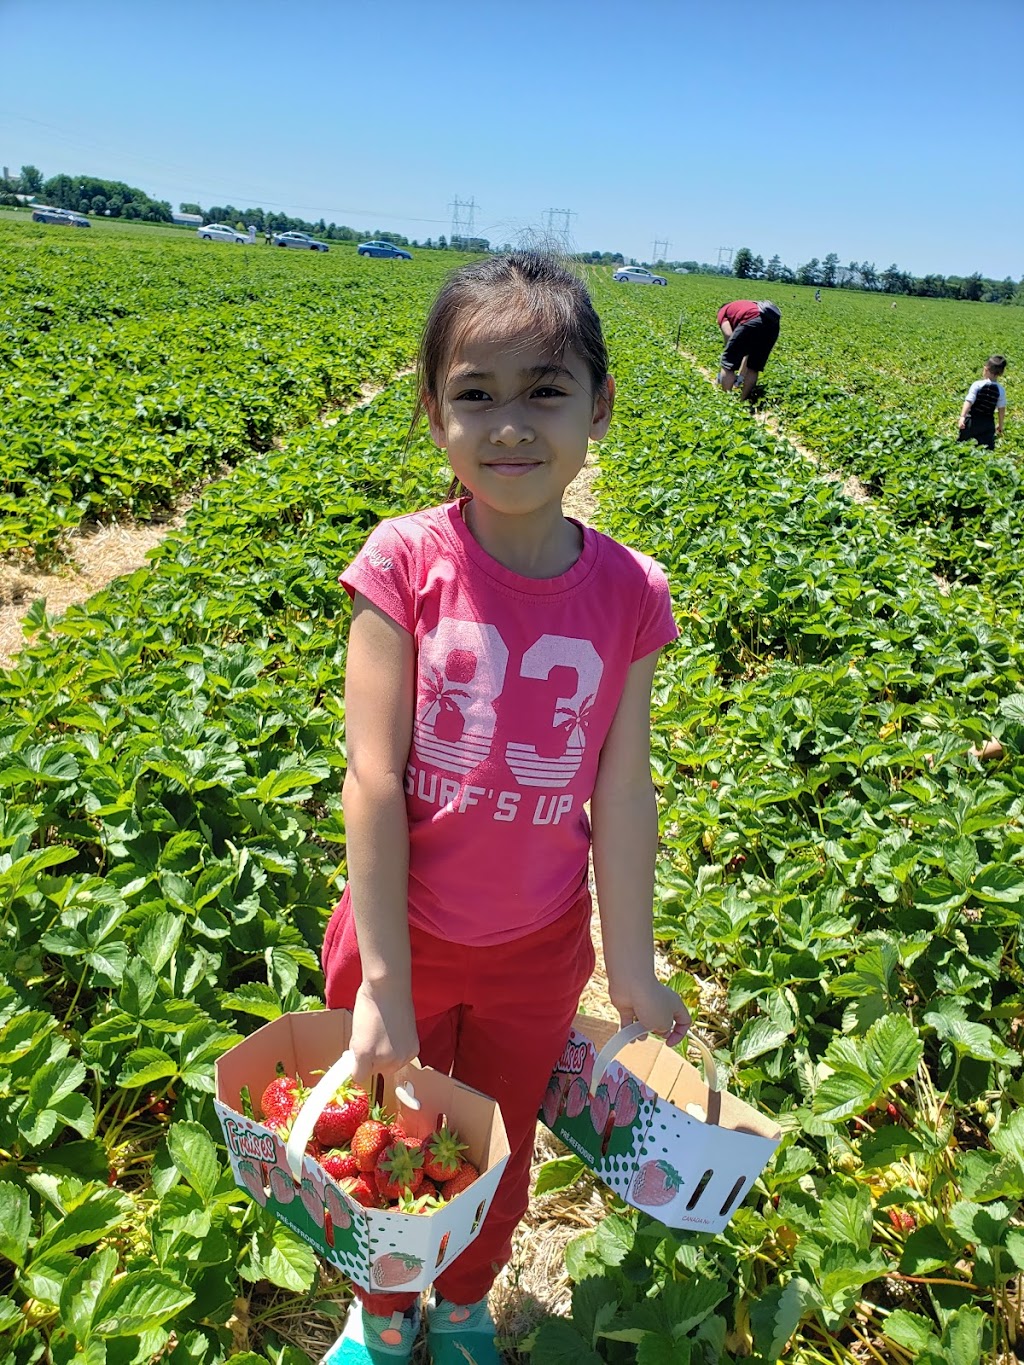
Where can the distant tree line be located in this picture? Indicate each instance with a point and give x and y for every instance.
(85, 194)
(829, 274)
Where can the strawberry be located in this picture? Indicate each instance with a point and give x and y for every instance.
(395, 1268)
(281, 1099)
(656, 1183)
(399, 1168)
(600, 1107)
(343, 1115)
(552, 1101)
(312, 1201)
(576, 1098)
(362, 1189)
(627, 1103)
(460, 1181)
(282, 1187)
(339, 1163)
(368, 1141)
(336, 1210)
(442, 1153)
(902, 1220)
(250, 1174)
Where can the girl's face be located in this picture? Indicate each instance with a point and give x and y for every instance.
(514, 424)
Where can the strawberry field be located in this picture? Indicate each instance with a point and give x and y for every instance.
(841, 879)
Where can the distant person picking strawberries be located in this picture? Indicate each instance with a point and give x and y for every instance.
(750, 331)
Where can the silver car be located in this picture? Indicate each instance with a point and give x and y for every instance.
(302, 240)
(637, 274)
(220, 232)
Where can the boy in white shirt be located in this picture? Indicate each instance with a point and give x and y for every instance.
(981, 418)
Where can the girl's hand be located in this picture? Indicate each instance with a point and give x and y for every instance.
(657, 1007)
(384, 1033)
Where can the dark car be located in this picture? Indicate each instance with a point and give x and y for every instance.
(384, 249)
(61, 217)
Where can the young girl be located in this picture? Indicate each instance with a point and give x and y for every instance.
(499, 674)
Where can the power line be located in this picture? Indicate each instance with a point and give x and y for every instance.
(563, 234)
(661, 255)
(463, 213)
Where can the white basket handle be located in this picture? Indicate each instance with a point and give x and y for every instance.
(629, 1034)
(317, 1101)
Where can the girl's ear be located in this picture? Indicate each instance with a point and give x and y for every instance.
(432, 408)
(604, 401)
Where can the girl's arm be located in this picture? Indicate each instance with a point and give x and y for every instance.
(379, 699)
(624, 817)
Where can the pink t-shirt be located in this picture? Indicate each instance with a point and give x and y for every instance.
(518, 680)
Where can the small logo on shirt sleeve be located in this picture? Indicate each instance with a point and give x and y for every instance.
(378, 559)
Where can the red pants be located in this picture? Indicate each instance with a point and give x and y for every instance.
(496, 1018)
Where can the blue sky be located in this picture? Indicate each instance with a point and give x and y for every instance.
(881, 131)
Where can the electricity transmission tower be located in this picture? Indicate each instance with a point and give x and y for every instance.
(563, 234)
(725, 251)
(662, 254)
(463, 211)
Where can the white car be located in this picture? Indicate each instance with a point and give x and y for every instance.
(220, 232)
(637, 274)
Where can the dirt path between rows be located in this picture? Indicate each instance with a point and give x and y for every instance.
(97, 555)
(852, 486)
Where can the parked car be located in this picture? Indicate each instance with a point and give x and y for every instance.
(220, 232)
(637, 274)
(62, 217)
(302, 240)
(384, 249)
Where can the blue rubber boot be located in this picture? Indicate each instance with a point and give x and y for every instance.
(369, 1340)
(461, 1334)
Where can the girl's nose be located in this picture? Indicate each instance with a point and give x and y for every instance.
(510, 428)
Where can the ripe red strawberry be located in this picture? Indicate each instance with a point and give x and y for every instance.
(339, 1163)
(902, 1220)
(395, 1268)
(442, 1153)
(281, 1101)
(656, 1183)
(399, 1168)
(368, 1141)
(343, 1115)
(361, 1188)
(460, 1181)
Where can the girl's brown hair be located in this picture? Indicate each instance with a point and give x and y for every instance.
(528, 291)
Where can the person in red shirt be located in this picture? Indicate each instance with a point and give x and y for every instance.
(750, 331)
(498, 679)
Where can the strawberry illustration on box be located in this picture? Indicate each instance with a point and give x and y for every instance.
(652, 1128)
(324, 1162)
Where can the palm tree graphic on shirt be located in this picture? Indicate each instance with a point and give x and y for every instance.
(571, 732)
(449, 722)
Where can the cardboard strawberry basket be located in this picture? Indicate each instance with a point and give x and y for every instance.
(377, 1249)
(653, 1128)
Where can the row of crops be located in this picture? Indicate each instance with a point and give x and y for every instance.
(877, 393)
(833, 856)
(837, 859)
(137, 363)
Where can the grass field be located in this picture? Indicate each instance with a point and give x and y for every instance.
(840, 878)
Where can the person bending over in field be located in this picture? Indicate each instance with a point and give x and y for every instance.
(981, 417)
(750, 331)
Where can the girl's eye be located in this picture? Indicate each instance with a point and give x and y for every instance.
(548, 391)
(473, 396)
